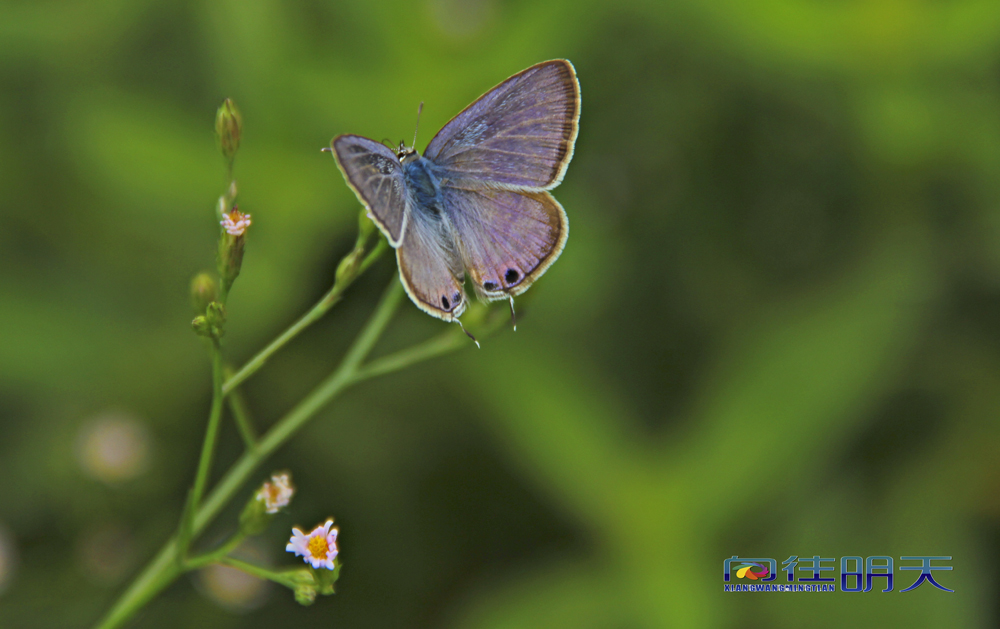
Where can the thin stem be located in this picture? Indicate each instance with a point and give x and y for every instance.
(215, 555)
(291, 423)
(164, 568)
(211, 437)
(315, 313)
(257, 571)
(441, 344)
(334, 383)
(241, 414)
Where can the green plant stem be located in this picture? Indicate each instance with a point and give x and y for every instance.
(441, 344)
(315, 313)
(257, 571)
(165, 567)
(207, 447)
(241, 414)
(215, 555)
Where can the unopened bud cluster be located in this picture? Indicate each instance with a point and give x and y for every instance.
(212, 324)
(207, 297)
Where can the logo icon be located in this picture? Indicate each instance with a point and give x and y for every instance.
(746, 570)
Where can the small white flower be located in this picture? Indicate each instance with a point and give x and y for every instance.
(235, 223)
(318, 548)
(276, 493)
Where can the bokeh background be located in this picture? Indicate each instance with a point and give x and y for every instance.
(775, 329)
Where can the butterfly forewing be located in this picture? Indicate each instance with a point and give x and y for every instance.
(506, 239)
(519, 135)
(376, 176)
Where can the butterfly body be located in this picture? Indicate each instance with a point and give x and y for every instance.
(477, 202)
(424, 185)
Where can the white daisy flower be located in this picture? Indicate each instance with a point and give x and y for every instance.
(318, 548)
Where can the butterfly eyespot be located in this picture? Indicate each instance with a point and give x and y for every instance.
(511, 276)
(456, 298)
(445, 303)
(490, 285)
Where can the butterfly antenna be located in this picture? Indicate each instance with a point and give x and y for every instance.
(513, 317)
(467, 333)
(420, 110)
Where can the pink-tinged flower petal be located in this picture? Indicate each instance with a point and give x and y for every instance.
(235, 223)
(318, 548)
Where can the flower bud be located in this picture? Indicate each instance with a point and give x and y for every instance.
(303, 583)
(216, 314)
(203, 292)
(305, 595)
(228, 128)
(348, 264)
(212, 323)
(201, 327)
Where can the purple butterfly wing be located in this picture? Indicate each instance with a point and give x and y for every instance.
(430, 268)
(376, 176)
(519, 135)
(506, 238)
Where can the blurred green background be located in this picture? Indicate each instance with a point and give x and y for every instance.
(775, 329)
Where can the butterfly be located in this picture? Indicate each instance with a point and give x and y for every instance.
(477, 201)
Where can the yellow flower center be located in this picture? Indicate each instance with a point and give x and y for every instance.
(318, 547)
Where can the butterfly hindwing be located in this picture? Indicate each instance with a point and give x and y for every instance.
(376, 176)
(506, 239)
(430, 267)
(519, 135)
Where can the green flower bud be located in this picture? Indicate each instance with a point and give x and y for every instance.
(305, 595)
(203, 292)
(215, 317)
(303, 583)
(201, 327)
(228, 128)
(348, 263)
